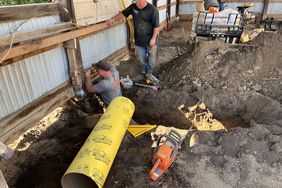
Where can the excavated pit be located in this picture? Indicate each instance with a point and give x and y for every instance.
(242, 87)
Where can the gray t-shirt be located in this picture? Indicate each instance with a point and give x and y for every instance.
(106, 88)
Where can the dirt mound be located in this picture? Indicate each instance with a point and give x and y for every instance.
(242, 86)
(238, 83)
(240, 158)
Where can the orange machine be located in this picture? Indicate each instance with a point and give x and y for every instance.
(213, 10)
(165, 154)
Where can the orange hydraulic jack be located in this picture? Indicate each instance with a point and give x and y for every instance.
(165, 154)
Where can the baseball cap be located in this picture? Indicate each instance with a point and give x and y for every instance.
(102, 64)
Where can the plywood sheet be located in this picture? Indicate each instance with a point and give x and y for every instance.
(88, 12)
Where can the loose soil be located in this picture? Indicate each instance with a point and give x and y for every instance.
(242, 87)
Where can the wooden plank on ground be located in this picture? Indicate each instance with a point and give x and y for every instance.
(35, 34)
(118, 55)
(15, 124)
(21, 12)
(44, 43)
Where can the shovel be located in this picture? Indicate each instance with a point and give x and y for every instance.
(128, 83)
(155, 88)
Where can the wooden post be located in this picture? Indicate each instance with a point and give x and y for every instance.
(155, 3)
(265, 7)
(67, 10)
(168, 8)
(73, 51)
(76, 66)
(177, 8)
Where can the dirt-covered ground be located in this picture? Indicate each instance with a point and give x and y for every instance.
(241, 85)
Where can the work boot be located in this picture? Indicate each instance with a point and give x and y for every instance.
(152, 78)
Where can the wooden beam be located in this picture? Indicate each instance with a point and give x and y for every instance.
(17, 123)
(177, 7)
(35, 34)
(118, 55)
(67, 5)
(188, 2)
(27, 55)
(75, 65)
(21, 12)
(164, 6)
(44, 43)
(265, 7)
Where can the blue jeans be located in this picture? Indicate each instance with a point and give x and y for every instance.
(147, 57)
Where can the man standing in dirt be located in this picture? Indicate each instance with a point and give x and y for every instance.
(146, 30)
(109, 86)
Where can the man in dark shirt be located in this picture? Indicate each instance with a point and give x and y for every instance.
(146, 29)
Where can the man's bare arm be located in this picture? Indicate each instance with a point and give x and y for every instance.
(116, 18)
(88, 82)
(154, 37)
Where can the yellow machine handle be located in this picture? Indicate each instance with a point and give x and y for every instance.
(131, 29)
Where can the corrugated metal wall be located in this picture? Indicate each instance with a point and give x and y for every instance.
(162, 15)
(30, 78)
(274, 8)
(24, 81)
(258, 8)
(173, 9)
(101, 45)
(27, 25)
(162, 11)
(187, 9)
(162, 2)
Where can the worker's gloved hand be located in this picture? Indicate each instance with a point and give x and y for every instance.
(88, 74)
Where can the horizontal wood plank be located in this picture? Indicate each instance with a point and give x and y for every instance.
(89, 12)
(18, 122)
(164, 6)
(35, 34)
(44, 43)
(21, 12)
(27, 55)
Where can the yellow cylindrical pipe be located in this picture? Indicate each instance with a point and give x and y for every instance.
(92, 164)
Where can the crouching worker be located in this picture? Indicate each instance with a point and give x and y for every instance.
(109, 86)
